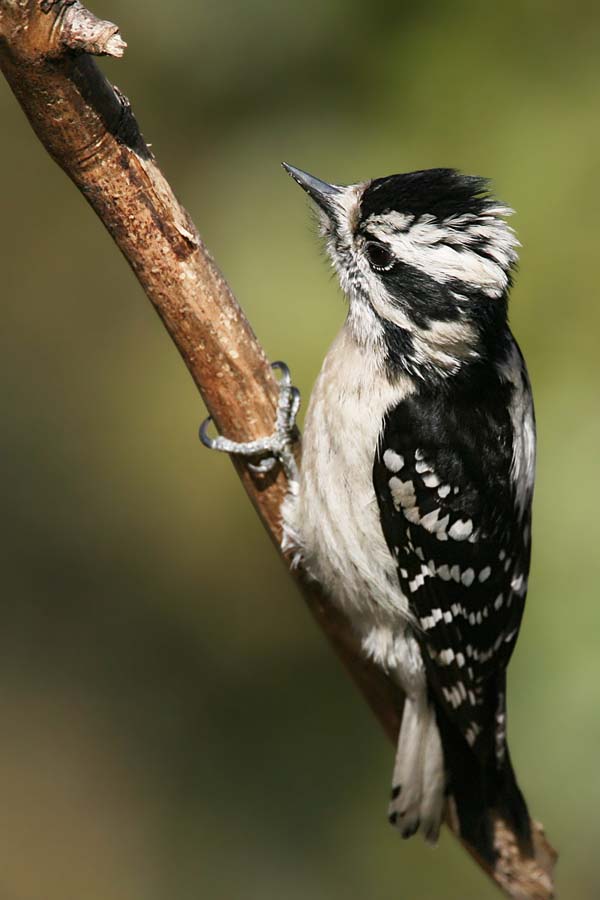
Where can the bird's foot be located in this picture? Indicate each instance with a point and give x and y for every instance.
(277, 447)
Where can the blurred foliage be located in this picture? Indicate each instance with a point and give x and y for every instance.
(173, 725)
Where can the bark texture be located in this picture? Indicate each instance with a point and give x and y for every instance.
(88, 127)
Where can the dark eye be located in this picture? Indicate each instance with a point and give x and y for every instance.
(380, 257)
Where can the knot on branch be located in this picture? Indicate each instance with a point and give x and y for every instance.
(81, 30)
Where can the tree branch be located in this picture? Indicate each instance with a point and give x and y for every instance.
(88, 127)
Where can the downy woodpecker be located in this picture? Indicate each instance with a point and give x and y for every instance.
(413, 503)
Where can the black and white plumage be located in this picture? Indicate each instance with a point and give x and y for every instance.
(413, 506)
(413, 503)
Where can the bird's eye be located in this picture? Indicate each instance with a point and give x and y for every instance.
(380, 257)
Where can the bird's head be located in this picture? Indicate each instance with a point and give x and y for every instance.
(425, 259)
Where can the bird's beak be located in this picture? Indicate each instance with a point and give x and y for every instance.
(321, 192)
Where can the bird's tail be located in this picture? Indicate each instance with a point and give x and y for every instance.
(483, 793)
(435, 763)
(417, 801)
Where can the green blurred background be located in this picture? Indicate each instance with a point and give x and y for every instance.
(173, 726)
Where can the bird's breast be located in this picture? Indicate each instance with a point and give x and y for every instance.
(335, 516)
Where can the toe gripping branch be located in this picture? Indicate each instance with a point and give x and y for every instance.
(277, 447)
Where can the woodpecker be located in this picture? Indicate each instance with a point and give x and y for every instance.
(412, 506)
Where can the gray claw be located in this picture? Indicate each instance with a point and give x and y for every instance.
(278, 445)
(264, 466)
(286, 377)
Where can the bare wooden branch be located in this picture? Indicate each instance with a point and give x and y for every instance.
(88, 128)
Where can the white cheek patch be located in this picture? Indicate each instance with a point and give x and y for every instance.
(442, 251)
(442, 262)
(443, 344)
(457, 338)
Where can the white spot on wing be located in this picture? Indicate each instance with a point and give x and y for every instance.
(393, 461)
(461, 530)
(467, 577)
(430, 521)
(403, 493)
(417, 582)
(472, 732)
(517, 583)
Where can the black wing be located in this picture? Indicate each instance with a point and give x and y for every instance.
(442, 476)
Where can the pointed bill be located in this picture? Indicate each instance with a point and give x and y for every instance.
(321, 192)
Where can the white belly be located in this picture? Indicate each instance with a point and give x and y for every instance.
(334, 519)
